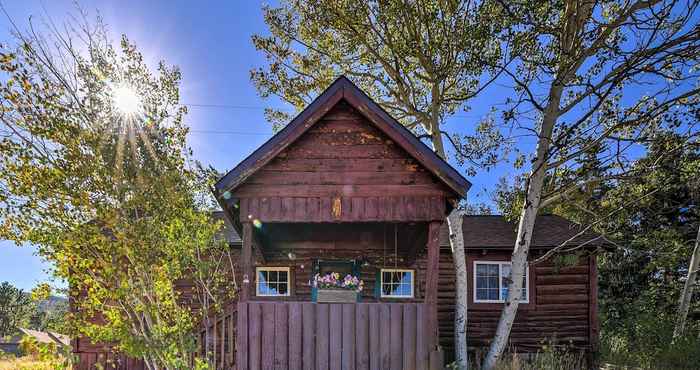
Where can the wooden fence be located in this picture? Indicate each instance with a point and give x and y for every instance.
(301, 335)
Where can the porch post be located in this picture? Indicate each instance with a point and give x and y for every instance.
(431, 281)
(247, 262)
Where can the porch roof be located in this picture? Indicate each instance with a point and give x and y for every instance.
(492, 232)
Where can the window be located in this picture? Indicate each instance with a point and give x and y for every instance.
(272, 281)
(491, 282)
(396, 283)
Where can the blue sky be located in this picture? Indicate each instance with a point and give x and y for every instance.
(211, 45)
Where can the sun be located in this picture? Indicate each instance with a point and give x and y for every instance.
(126, 100)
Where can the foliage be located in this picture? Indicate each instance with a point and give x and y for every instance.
(651, 345)
(15, 309)
(421, 61)
(549, 357)
(107, 194)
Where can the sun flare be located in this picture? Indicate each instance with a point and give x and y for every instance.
(126, 100)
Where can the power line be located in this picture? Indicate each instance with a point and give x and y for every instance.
(290, 110)
(230, 106)
(226, 132)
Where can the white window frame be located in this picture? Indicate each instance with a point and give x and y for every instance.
(273, 268)
(381, 284)
(499, 263)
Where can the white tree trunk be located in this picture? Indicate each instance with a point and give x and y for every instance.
(528, 214)
(454, 222)
(687, 295)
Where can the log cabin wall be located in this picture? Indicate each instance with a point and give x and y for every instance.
(562, 305)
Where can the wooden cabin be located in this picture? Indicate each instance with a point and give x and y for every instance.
(344, 188)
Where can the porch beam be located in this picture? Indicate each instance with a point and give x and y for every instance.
(247, 262)
(431, 281)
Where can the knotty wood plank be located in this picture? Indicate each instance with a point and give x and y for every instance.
(322, 336)
(336, 166)
(348, 345)
(362, 348)
(308, 320)
(251, 191)
(295, 335)
(335, 337)
(385, 335)
(300, 209)
(254, 335)
(374, 337)
(409, 336)
(231, 333)
(281, 336)
(422, 350)
(396, 341)
(268, 336)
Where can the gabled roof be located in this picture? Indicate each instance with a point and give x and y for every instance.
(342, 88)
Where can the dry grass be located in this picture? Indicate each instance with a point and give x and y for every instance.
(29, 363)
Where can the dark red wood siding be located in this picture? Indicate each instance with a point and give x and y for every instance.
(562, 306)
(342, 169)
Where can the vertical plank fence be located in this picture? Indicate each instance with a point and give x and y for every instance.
(311, 336)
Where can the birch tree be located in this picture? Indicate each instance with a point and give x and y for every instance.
(94, 172)
(688, 288)
(422, 61)
(592, 80)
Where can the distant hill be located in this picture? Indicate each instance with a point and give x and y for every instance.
(53, 303)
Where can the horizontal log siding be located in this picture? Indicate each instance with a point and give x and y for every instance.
(342, 169)
(558, 309)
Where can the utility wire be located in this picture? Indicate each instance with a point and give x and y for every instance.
(253, 107)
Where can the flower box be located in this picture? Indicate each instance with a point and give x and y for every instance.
(332, 288)
(336, 296)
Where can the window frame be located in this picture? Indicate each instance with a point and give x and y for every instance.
(286, 269)
(381, 283)
(500, 278)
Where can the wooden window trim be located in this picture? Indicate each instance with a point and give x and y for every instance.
(499, 263)
(413, 284)
(286, 269)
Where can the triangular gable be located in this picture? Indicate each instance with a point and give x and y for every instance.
(342, 88)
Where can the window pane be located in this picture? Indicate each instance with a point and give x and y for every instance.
(493, 282)
(397, 283)
(482, 294)
(482, 282)
(493, 294)
(386, 277)
(273, 282)
(493, 270)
